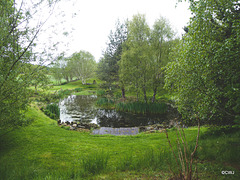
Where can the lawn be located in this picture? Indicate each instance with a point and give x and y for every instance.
(42, 150)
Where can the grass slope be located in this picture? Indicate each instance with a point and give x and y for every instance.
(43, 150)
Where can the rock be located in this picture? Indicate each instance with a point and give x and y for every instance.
(152, 131)
(72, 128)
(149, 128)
(142, 128)
(79, 126)
(59, 121)
(74, 125)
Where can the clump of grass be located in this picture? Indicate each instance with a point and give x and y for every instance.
(143, 108)
(149, 159)
(78, 89)
(95, 163)
(100, 92)
(52, 110)
(105, 102)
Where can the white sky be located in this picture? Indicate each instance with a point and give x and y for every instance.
(88, 22)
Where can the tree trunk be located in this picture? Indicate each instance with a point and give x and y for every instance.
(123, 93)
(154, 94)
(145, 95)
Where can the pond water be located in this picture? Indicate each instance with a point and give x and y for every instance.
(83, 109)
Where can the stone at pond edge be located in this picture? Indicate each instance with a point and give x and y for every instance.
(116, 131)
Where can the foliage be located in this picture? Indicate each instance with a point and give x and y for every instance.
(65, 92)
(78, 89)
(81, 65)
(205, 73)
(108, 66)
(136, 58)
(161, 44)
(52, 110)
(16, 71)
(145, 52)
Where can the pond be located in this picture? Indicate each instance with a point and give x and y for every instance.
(83, 109)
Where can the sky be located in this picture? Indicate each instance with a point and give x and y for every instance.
(86, 24)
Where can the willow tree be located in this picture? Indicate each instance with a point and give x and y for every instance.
(135, 63)
(205, 74)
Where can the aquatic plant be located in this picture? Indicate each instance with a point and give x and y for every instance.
(52, 110)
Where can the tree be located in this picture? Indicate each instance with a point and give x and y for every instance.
(137, 57)
(83, 65)
(108, 68)
(161, 37)
(205, 74)
(16, 43)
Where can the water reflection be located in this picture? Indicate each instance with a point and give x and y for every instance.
(83, 109)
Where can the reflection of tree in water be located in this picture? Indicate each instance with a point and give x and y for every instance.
(82, 108)
(111, 118)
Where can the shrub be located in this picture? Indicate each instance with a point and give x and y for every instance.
(65, 92)
(78, 90)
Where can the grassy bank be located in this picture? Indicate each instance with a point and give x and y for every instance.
(43, 150)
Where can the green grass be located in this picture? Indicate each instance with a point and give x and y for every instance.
(43, 150)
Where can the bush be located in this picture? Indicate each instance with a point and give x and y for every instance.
(78, 89)
(63, 93)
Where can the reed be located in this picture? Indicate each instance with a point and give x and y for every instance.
(52, 110)
(105, 102)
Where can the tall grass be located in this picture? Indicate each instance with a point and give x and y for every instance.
(105, 102)
(143, 108)
(95, 163)
(221, 144)
(149, 159)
